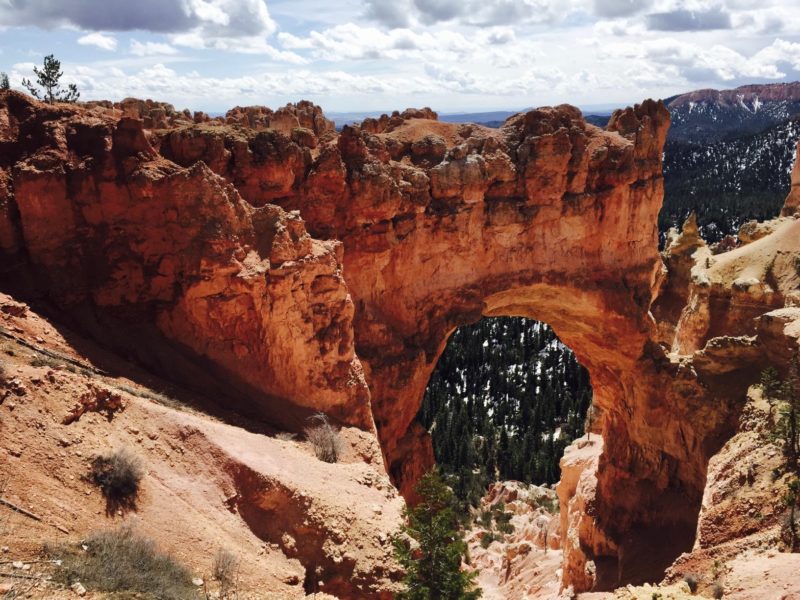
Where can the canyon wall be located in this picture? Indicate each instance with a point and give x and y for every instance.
(127, 242)
(312, 271)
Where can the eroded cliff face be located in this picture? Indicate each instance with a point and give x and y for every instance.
(443, 223)
(212, 236)
(138, 249)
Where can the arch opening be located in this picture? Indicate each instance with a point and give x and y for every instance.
(505, 399)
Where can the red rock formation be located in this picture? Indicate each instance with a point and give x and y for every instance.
(109, 223)
(440, 224)
(523, 561)
(435, 224)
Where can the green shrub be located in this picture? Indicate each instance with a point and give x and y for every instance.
(485, 519)
(433, 568)
(549, 504)
(122, 561)
(692, 581)
(505, 527)
(118, 474)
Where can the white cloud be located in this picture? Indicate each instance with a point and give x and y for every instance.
(353, 42)
(233, 25)
(405, 13)
(101, 40)
(242, 45)
(717, 63)
(151, 49)
(487, 53)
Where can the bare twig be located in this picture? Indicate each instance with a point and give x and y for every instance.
(20, 510)
(21, 576)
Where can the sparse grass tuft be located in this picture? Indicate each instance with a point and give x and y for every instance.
(224, 569)
(42, 360)
(324, 438)
(122, 561)
(118, 474)
(156, 397)
(286, 436)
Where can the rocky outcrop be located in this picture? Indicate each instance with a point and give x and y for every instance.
(111, 226)
(519, 559)
(304, 116)
(577, 491)
(439, 223)
(300, 528)
(739, 532)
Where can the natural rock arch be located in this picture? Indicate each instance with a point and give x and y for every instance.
(431, 225)
(549, 218)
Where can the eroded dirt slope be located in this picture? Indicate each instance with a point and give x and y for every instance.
(297, 524)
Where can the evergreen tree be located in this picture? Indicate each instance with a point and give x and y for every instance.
(789, 424)
(500, 389)
(48, 79)
(433, 568)
(4, 85)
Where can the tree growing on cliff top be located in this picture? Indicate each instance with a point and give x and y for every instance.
(4, 85)
(48, 79)
(433, 560)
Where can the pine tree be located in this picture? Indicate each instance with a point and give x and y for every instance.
(789, 424)
(4, 85)
(48, 79)
(433, 569)
(503, 374)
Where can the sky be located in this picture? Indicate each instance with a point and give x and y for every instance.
(381, 55)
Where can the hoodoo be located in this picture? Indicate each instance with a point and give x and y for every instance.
(311, 270)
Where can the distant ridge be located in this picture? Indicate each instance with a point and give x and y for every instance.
(747, 94)
(713, 115)
(484, 118)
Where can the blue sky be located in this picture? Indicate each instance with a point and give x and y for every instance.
(366, 55)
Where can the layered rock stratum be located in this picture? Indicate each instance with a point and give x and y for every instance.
(285, 269)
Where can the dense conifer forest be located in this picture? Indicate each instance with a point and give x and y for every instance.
(505, 398)
(729, 182)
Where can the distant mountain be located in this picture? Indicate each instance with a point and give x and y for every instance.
(490, 119)
(497, 118)
(713, 115)
(599, 120)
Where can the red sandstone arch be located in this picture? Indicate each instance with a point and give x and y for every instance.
(431, 225)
